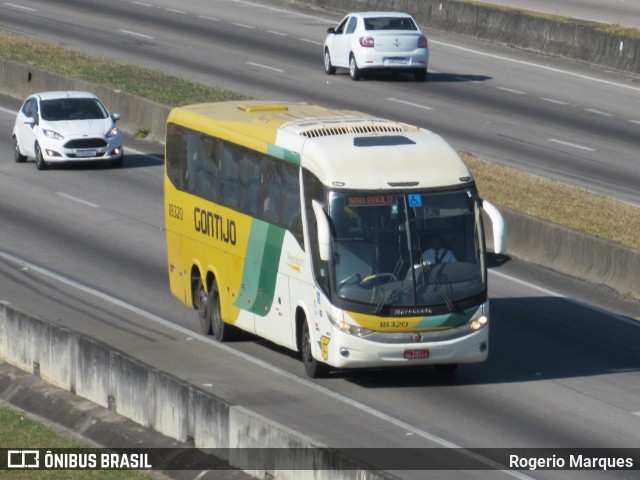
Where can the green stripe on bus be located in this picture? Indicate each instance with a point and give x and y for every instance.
(451, 320)
(284, 154)
(260, 268)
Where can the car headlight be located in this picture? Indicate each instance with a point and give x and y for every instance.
(345, 327)
(52, 134)
(113, 132)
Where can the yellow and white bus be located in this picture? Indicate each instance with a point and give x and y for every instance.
(310, 227)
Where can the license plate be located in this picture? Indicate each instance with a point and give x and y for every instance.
(397, 61)
(416, 354)
(85, 153)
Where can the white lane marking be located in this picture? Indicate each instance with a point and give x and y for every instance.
(204, 17)
(264, 66)
(404, 102)
(289, 12)
(280, 34)
(142, 4)
(551, 293)
(6, 110)
(136, 34)
(572, 145)
(76, 199)
(511, 90)
(243, 25)
(635, 121)
(249, 358)
(314, 42)
(636, 413)
(157, 157)
(173, 10)
(553, 100)
(536, 65)
(598, 112)
(20, 7)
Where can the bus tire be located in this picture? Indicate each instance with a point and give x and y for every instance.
(312, 367)
(201, 304)
(222, 331)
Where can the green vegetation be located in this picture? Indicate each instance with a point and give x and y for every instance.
(535, 196)
(19, 431)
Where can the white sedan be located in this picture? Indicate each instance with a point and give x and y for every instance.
(377, 41)
(66, 126)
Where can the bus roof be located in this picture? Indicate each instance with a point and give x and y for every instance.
(344, 149)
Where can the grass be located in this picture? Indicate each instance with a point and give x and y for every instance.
(535, 196)
(17, 431)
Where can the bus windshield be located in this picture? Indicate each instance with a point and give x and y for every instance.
(404, 251)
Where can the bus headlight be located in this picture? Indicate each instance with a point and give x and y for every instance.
(478, 321)
(345, 327)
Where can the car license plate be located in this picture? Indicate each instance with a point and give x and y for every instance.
(397, 61)
(416, 354)
(85, 153)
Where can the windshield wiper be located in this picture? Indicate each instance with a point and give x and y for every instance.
(439, 287)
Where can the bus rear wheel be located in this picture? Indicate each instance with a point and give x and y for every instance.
(201, 303)
(221, 331)
(312, 367)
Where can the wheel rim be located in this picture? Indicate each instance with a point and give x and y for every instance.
(16, 150)
(306, 346)
(201, 299)
(216, 319)
(352, 66)
(327, 61)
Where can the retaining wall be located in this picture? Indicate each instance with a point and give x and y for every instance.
(159, 401)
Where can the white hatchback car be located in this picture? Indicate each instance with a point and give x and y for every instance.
(66, 126)
(377, 41)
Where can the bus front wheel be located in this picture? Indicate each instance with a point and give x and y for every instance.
(312, 367)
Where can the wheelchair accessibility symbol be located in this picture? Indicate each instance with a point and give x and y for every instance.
(415, 200)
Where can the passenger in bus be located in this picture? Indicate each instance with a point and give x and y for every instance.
(437, 253)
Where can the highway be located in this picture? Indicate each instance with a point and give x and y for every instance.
(570, 122)
(85, 248)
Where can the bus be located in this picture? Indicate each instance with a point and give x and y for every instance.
(308, 227)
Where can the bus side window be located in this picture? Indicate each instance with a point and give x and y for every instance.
(229, 178)
(271, 186)
(175, 159)
(290, 214)
(249, 182)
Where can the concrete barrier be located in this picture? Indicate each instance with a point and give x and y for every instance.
(161, 402)
(563, 37)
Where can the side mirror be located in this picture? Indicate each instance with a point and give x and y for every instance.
(324, 231)
(499, 228)
(30, 121)
(331, 31)
(115, 117)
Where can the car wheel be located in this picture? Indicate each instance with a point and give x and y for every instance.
(40, 163)
(420, 74)
(312, 367)
(17, 156)
(117, 163)
(329, 69)
(354, 71)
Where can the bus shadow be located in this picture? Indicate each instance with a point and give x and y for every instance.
(531, 339)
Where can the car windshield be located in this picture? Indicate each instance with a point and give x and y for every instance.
(61, 109)
(390, 23)
(415, 250)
